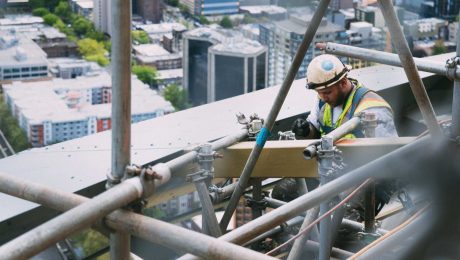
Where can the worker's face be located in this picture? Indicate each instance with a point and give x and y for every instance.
(334, 95)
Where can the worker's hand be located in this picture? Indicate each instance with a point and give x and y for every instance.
(301, 127)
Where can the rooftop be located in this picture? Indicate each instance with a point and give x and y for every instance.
(46, 100)
(19, 46)
(150, 50)
(20, 20)
(161, 28)
(298, 23)
(258, 9)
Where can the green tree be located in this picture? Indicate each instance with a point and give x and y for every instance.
(154, 212)
(184, 9)
(63, 10)
(140, 37)
(50, 19)
(226, 22)
(62, 27)
(177, 96)
(439, 47)
(174, 3)
(41, 11)
(146, 74)
(204, 20)
(93, 50)
(10, 128)
(82, 26)
(89, 241)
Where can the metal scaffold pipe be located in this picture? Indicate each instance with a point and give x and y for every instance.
(270, 120)
(455, 129)
(71, 221)
(386, 166)
(153, 230)
(382, 57)
(415, 82)
(121, 110)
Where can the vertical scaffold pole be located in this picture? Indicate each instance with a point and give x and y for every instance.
(455, 129)
(121, 109)
(270, 120)
(415, 82)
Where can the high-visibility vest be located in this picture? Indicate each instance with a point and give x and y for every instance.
(360, 98)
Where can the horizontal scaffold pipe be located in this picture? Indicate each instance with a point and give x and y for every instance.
(386, 58)
(384, 167)
(153, 230)
(84, 215)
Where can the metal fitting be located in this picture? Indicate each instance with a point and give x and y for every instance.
(153, 177)
(288, 135)
(451, 67)
(254, 124)
(369, 122)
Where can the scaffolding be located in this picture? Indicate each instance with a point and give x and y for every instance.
(111, 214)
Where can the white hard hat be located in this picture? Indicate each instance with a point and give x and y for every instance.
(324, 71)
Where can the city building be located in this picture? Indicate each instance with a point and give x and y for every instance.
(283, 38)
(370, 14)
(428, 28)
(364, 35)
(149, 10)
(156, 56)
(55, 44)
(157, 31)
(84, 8)
(446, 9)
(15, 21)
(453, 31)
(221, 63)
(341, 4)
(102, 17)
(272, 12)
(168, 77)
(59, 110)
(21, 58)
(212, 7)
(68, 68)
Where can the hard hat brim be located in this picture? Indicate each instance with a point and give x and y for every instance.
(331, 82)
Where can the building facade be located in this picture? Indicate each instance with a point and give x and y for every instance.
(21, 58)
(446, 9)
(102, 17)
(221, 63)
(284, 38)
(149, 10)
(212, 7)
(59, 110)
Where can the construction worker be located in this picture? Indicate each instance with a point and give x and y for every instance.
(339, 99)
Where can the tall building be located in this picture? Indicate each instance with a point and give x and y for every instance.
(150, 10)
(364, 35)
(284, 38)
(219, 64)
(446, 9)
(102, 16)
(341, 4)
(212, 7)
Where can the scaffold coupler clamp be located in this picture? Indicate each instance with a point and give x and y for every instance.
(205, 158)
(369, 122)
(254, 124)
(150, 177)
(330, 159)
(451, 67)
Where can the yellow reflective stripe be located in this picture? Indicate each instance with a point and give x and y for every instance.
(371, 102)
(346, 108)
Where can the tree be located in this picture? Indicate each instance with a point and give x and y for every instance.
(204, 20)
(226, 22)
(177, 96)
(93, 50)
(146, 74)
(174, 3)
(82, 26)
(140, 37)
(10, 128)
(40, 11)
(439, 47)
(63, 10)
(50, 19)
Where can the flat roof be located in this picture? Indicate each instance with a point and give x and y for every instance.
(150, 50)
(258, 9)
(161, 28)
(46, 100)
(33, 53)
(20, 20)
(173, 73)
